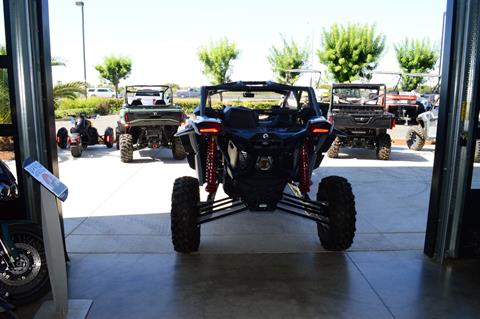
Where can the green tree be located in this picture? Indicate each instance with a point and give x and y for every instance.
(115, 69)
(415, 56)
(290, 56)
(216, 59)
(351, 52)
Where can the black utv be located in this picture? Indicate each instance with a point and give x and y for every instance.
(255, 154)
(358, 110)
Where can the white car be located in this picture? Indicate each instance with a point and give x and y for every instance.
(100, 92)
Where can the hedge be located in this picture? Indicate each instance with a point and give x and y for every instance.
(103, 106)
(92, 105)
(188, 105)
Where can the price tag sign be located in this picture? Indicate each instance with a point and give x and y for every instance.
(47, 179)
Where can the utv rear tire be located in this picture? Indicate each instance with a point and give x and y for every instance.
(476, 157)
(109, 132)
(76, 150)
(62, 138)
(177, 149)
(337, 192)
(334, 149)
(384, 147)
(184, 214)
(126, 148)
(415, 138)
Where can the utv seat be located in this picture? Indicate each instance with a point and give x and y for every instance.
(136, 103)
(240, 117)
(282, 117)
(160, 102)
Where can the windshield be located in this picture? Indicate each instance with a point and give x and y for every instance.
(148, 95)
(259, 99)
(359, 96)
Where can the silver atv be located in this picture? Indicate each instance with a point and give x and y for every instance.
(426, 130)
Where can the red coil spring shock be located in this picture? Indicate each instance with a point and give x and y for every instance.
(304, 170)
(211, 165)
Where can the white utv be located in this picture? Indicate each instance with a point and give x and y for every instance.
(426, 130)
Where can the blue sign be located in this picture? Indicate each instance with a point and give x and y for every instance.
(47, 179)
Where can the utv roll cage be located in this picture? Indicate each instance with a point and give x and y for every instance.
(258, 86)
(161, 88)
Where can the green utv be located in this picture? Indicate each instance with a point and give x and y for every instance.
(149, 119)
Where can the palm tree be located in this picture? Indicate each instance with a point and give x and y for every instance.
(56, 61)
(69, 90)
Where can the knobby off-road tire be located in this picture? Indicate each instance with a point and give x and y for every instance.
(126, 148)
(177, 149)
(62, 138)
(384, 147)
(30, 281)
(339, 234)
(184, 214)
(334, 149)
(476, 158)
(76, 150)
(415, 138)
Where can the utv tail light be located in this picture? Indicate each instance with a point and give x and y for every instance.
(320, 128)
(126, 117)
(330, 117)
(209, 128)
(394, 123)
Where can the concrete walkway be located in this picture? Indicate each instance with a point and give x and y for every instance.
(256, 265)
(124, 208)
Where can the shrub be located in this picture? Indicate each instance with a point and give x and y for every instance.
(92, 105)
(188, 105)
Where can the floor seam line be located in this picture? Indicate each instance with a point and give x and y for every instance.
(371, 286)
(111, 194)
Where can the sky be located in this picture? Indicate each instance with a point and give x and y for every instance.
(163, 37)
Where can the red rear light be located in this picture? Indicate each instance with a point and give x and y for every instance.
(393, 123)
(209, 128)
(108, 138)
(126, 117)
(320, 128)
(79, 139)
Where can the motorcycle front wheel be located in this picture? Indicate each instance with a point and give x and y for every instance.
(28, 280)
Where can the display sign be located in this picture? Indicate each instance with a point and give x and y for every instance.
(47, 179)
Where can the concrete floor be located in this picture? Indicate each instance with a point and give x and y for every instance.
(256, 265)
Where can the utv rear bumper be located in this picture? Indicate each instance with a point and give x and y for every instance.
(363, 121)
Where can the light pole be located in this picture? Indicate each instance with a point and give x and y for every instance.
(81, 4)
